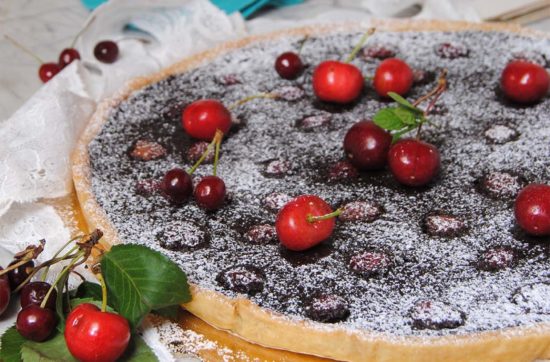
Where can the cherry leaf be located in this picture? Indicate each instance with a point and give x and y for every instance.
(52, 350)
(387, 119)
(404, 103)
(11, 345)
(406, 116)
(140, 279)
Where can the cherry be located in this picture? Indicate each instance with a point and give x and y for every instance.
(532, 209)
(67, 56)
(5, 293)
(524, 82)
(414, 162)
(337, 82)
(366, 145)
(295, 230)
(19, 274)
(177, 185)
(210, 193)
(95, 336)
(35, 323)
(106, 51)
(202, 118)
(47, 71)
(289, 65)
(393, 75)
(35, 292)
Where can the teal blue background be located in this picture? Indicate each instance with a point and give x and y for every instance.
(246, 7)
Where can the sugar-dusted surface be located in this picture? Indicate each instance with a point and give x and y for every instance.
(443, 270)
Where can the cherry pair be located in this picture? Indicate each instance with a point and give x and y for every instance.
(412, 161)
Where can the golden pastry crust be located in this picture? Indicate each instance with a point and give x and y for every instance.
(250, 322)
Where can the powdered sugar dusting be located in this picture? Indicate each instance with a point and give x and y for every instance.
(424, 267)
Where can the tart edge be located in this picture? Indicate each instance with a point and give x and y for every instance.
(264, 327)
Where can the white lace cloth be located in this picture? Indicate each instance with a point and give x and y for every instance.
(36, 142)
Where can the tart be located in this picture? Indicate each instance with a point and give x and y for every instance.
(438, 273)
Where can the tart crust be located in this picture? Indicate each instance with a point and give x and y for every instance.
(247, 320)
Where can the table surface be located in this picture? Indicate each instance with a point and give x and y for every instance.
(46, 27)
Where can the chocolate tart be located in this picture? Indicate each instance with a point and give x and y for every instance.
(439, 273)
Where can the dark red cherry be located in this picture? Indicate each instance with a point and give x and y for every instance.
(366, 145)
(524, 82)
(19, 274)
(5, 292)
(413, 162)
(337, 82)
(289, 65)
(532, 209)
(35, 323)
(295, 231)
(67, 56)
(35, 292)
(106, 51)
(47, 71)
(393, 75)
(210, 193)
(177, 185)
(201, 119)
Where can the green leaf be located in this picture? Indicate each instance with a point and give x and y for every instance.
(403, 102)
(10, 350)
(397, 135)
(406, 116)
(138, 351)
(171, 312)
(140, 279)
(89, 290)
(387, 119)
(59, 302)
(53, 349)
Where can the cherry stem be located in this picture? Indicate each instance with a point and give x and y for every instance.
(217, 154)
(302, 42)
(250, 98)
(15, 266)
(37, 269)
(21, 47)
(45, 273)
(434, 94)
(99, 277)
(217, 139)
(61, 275)
(86, 26)
(335, 213)
(359, 45)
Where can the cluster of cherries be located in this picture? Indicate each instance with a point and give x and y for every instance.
(308, 220)
(105, 51)
(91, 334)
(207, 120)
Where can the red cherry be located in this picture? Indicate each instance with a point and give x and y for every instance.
(35, 292)
(35, 323)
(177, 185)
(289, 65)
(210, 193)
(532, 209)
(95, 336)
(47, 71)
(5, 293)
(524, 82)
(106, 51)
(67, 56)
(366, 145)
(414, 162)
(202, 118)
(337, 82)
(393, 75)
(294, 230)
